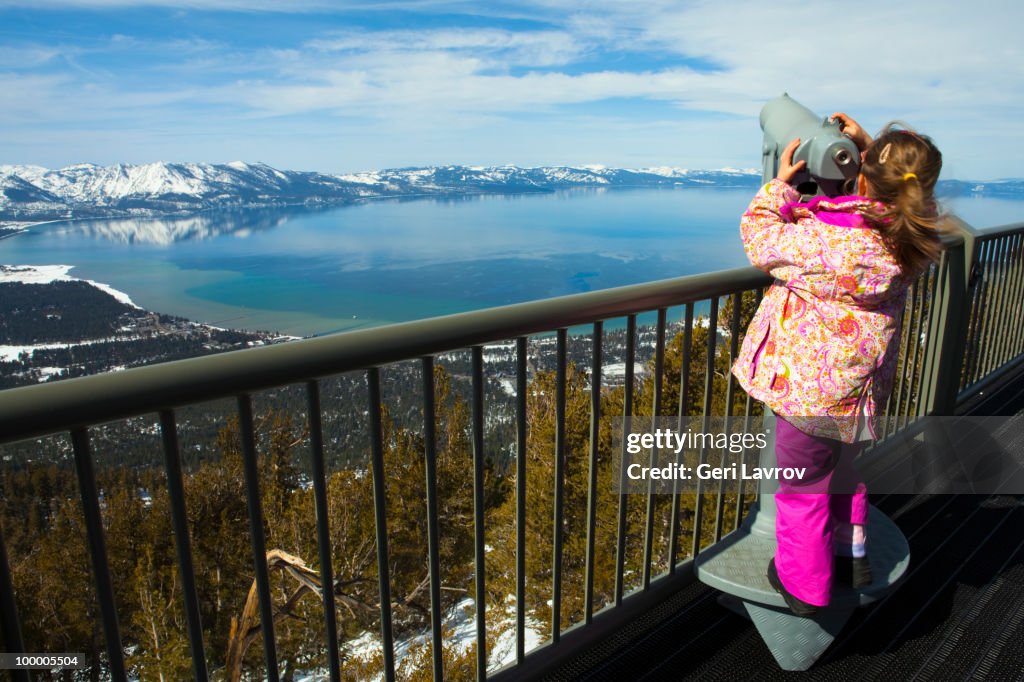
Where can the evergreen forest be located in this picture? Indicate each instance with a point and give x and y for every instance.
(44, 532)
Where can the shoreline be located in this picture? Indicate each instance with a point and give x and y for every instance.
(46, 274)
(141, 324)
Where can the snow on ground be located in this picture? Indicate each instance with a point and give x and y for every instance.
(462, 635)
(665, 171)
(369, 178)
(11, 353)
(618, 370)
(508, 384)
(504, 651)
(45, 274)
(34, 274)
(19, 226)
(119, 295)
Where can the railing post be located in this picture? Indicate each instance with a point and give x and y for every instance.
(479, 517)
(257, 535)
(947, 329)
(433, 534)
(559, 495)
(381, 521)
(521, 493)
(10, 626)
(323, 532)
(972, 273)
(183, 543)
(98, 552)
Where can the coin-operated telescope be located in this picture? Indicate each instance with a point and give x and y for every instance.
(833, 160)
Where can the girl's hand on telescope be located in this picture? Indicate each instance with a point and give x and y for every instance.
(852, 129)
(788, 169)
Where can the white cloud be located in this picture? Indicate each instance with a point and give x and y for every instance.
(400, 87)
(950, 69)
(204, 5)
(535, 48)
(876, 52)
(951, 55)
(30, 57)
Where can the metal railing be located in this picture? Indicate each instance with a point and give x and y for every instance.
(961, 326)
(996, 309)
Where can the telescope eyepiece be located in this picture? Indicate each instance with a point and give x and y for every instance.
(843, 157)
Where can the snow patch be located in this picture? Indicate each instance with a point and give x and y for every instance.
(12, 353)
(35, 274)
(666, 171)
(740, 171)
(618, 370)
(47, 372)
(362, 178)
(462, 631)
(47, 274)
(119, 295)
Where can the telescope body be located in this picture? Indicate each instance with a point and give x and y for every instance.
(833, 160)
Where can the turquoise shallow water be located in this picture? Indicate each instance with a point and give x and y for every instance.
(312, 272)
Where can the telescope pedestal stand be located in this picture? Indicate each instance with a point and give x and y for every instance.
(737, 566)
(795, 642)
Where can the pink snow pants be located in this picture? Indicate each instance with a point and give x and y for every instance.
(807, 512)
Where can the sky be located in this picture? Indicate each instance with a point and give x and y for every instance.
(345, 86)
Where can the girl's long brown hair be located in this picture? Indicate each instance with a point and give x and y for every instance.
(901, 168)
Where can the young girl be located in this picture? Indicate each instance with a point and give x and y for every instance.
(820, 352)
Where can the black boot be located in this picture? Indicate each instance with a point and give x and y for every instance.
(798, 606)
(852, 571)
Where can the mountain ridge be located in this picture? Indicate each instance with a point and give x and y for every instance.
(34, 193)
(162, 188)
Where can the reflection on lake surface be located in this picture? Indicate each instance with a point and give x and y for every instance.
(166, 231)
(309, 271)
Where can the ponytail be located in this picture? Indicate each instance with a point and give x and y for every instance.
(901, 168)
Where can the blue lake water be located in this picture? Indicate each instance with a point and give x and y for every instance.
(303, 272)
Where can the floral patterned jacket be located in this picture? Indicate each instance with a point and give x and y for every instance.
(818, 349)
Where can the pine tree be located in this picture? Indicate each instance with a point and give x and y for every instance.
(159, 623)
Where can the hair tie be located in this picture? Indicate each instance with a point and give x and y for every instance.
(907, 176)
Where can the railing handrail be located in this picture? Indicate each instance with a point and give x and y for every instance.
(32, 411)
(997, 231)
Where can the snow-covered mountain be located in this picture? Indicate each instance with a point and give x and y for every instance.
(87, 190)
(16, 191)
